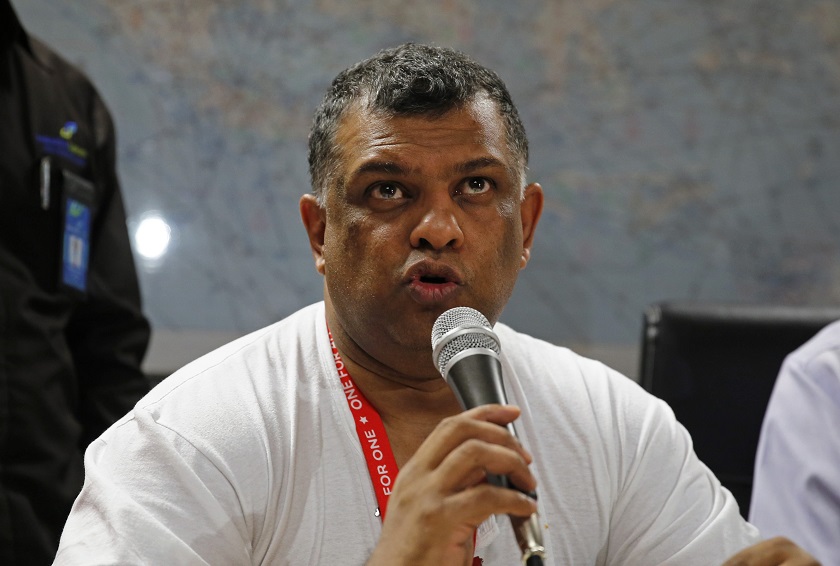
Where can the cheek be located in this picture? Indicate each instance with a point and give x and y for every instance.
(358, 248)
(352, 242)
(343, 229)
(511, 245)
(508, 256)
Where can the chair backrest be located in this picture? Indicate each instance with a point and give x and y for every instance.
(715, 365)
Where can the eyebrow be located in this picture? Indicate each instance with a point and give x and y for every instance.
(479, 163)
(387, 167)
(392, 168)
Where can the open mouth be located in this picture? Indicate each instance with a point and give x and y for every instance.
(432, 284)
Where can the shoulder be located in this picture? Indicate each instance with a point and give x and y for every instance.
(229, 425)
(629, 446)
(806, 395)
(534, 354)
(820, 352)
(812, 370)
(254, 379)
(60, 67)
(76, 86)
(293, 332)
(554, 364)
(591, 389)
(280, 344)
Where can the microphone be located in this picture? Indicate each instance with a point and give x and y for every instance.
(466, 352)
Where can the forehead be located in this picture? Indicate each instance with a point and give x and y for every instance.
(472, 131)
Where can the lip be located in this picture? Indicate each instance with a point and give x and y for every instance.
(431, 292)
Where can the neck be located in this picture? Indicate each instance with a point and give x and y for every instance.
(410, 406)
(409, 411)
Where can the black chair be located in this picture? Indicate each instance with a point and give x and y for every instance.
(715, 365)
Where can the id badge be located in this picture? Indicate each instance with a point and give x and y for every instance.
(77, 214)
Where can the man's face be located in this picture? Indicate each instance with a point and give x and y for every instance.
(426, 215)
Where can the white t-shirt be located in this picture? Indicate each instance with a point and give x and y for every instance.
(796, 491)
(249, 455)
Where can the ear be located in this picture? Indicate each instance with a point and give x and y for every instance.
(315, 221)
(531, 209)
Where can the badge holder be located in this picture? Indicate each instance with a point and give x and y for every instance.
(77, 197)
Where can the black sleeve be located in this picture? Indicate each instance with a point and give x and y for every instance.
(108, 333)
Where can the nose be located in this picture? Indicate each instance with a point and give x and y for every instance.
(438, 227)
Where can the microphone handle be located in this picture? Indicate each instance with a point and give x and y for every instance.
(477, 380)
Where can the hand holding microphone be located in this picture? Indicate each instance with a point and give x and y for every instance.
(440, 496)
(466, 351)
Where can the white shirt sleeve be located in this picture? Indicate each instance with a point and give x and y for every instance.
(670, 508)
(619, 482)
(145, 480)
(796, 489)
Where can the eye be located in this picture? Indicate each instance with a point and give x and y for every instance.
(476, 186)
(386, 191)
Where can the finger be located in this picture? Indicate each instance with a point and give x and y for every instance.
(474, 505)
(469, 463)
(494, 413)
(501, 415)
(484, 423)
(772, 552)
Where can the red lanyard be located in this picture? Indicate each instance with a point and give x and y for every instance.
(381, 464)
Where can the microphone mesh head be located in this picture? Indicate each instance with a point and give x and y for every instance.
(475, 332)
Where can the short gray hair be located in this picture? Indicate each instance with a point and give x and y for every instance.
(410, 79)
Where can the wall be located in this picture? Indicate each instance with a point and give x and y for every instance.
(688, 150)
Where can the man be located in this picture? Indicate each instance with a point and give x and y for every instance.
(797, 469)
(72, 333)
(282, 447)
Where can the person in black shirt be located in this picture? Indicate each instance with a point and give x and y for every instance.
(72, 333)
